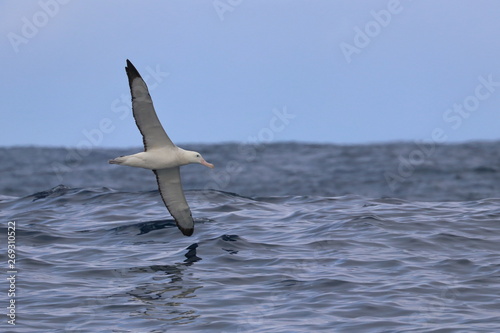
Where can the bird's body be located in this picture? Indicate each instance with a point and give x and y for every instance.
(160, 154)
(155, 159)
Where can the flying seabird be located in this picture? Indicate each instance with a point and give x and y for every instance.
(160, 154)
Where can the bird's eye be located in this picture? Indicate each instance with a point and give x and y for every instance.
(197, 155)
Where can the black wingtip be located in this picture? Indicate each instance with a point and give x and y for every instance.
(132, 72)
(186, 231)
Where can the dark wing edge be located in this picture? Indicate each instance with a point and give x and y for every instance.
(133, 73)
(188, 218)
(146, 119)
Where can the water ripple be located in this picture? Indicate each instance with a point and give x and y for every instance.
(107, 260)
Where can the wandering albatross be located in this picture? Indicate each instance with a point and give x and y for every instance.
(160, 154)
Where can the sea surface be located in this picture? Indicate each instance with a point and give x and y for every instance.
(289, 237)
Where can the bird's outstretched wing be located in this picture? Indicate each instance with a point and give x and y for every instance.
(169, 183)
(153, 134)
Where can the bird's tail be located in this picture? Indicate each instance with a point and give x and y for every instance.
(118, 160)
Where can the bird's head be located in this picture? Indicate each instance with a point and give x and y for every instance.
(195, 157)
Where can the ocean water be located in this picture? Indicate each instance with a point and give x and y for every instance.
(289, 237)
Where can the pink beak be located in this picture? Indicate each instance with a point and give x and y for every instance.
(205, 163)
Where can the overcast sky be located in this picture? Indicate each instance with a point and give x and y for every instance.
(251, 70)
